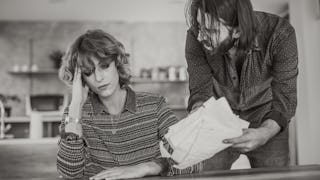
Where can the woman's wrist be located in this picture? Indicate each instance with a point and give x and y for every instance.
(74, 127)
(75, 110)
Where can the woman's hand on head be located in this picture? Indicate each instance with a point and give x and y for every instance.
(79, 90)
(79, 94)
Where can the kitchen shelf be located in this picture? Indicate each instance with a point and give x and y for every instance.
(39, 72)
(137, 80)
(17, 119)
(134, 80)
(46, 117)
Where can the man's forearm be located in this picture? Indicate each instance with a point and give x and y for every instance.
(271, 126)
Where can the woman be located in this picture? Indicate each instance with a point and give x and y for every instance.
(109, 131)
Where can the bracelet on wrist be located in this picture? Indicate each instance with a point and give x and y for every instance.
(70, 119)
(70, 136)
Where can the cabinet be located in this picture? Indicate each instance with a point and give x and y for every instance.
(176, 93)
(43, 125)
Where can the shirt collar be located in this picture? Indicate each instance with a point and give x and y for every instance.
(256, 45)
(130, 103)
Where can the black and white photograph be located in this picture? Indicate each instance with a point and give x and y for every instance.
(159, 89)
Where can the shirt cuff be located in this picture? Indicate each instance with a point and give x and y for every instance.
(69, 135)
(164, 164)
(71, 144)
(278, 117)
(196, 100)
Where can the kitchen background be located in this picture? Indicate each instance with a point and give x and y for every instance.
(32, 33)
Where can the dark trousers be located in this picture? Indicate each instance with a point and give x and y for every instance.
(275, 153)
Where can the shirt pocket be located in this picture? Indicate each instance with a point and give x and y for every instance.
(258, 95)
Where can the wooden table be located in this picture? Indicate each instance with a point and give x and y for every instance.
(309, 172)
(36, 160)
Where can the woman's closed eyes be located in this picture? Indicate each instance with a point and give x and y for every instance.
(88, 72)
(104, 65)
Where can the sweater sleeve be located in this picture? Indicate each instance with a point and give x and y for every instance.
(284, 74)
(70, 155)
(167, 118)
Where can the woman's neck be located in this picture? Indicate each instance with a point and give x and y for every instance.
(115, 103)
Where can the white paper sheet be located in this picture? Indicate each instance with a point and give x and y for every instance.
(199, 136)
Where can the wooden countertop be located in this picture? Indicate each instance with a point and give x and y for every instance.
(56, 115)
(46, 117)
(23, 159)
(25, 141)
(288, 173)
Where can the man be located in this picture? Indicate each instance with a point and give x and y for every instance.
(251, 59)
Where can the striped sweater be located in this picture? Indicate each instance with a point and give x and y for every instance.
(110, 141)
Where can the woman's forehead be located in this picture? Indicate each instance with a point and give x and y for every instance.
(96, 61)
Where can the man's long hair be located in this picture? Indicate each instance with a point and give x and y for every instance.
(234, 13)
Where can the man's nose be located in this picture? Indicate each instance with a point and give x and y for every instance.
(201, 37)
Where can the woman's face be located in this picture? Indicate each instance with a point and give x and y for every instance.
(216, 37)
(104, 79)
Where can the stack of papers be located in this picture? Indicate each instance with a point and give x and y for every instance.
(199, 136)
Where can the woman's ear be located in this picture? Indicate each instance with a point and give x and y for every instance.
(83, 81)
(121, 59)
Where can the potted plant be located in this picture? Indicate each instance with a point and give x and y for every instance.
(56, 58)
(6, 111)
(4, 99)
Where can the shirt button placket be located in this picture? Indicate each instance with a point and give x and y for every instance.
(234, 77)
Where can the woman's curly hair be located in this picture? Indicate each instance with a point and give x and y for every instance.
(99, 44)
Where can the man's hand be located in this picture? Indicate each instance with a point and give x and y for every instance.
(127, 172)
(253, 138)
(196, 106)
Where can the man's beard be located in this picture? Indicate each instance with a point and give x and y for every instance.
(222, 48)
